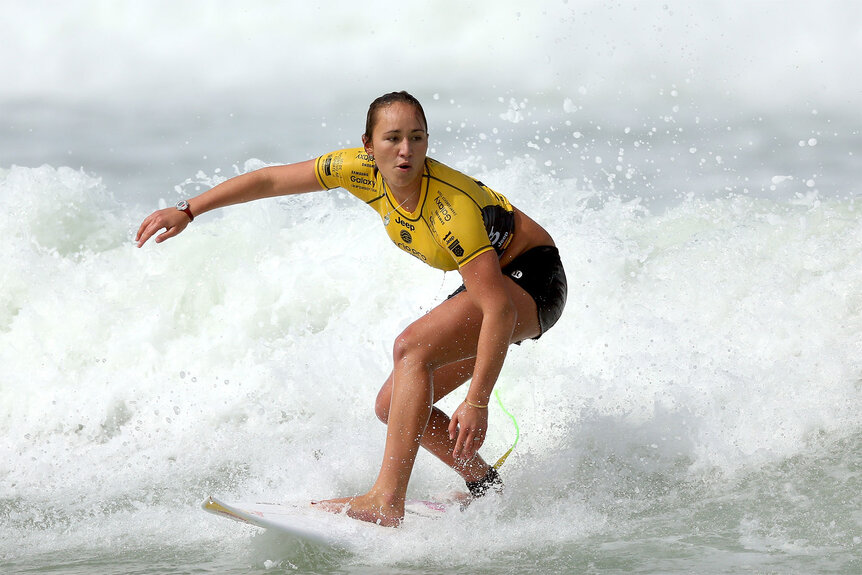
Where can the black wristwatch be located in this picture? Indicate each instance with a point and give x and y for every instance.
(183, 206)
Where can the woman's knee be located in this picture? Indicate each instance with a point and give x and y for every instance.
(403, 347)
(412, 350)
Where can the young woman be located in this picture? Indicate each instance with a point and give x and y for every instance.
(514, 288)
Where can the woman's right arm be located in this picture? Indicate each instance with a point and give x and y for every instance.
(268, 182)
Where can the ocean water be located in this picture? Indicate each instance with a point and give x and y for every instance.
(696, 409)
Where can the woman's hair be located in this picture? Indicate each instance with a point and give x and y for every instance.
(387, 100)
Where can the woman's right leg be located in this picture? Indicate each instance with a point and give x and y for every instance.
(436, 437)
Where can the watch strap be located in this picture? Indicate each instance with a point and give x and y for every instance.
(183, 206)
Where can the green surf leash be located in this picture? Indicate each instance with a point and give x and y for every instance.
(502, 460)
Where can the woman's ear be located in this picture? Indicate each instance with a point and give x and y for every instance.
(369, 147)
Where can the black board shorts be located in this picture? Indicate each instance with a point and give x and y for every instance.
(539, 272)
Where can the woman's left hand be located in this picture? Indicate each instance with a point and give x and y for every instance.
(470, 424)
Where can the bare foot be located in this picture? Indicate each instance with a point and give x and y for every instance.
(365, 508)
(462, 499)
(333, 505)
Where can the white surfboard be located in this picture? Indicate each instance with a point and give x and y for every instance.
(301, 520)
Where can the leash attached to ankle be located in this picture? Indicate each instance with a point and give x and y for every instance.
(492, 479)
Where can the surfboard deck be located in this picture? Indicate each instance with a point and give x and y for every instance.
(304, 522)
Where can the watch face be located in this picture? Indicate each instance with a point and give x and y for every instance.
(182, 205)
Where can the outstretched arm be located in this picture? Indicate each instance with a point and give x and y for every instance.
(268, 182)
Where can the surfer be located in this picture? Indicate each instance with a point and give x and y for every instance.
(514, 288)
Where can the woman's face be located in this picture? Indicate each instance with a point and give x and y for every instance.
(399, 143)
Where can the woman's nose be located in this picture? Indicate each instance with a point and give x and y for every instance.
(404, 148)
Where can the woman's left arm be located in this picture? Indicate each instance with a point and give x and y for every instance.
(487, 290)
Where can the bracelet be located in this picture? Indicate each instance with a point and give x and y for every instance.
(476, 405)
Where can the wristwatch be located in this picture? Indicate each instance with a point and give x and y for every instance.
(183, 206)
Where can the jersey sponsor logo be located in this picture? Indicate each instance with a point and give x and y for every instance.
(444, 208)
(497, 239)
(361, 181)
(405, 235)
(499, 224)
(332, 165)
(366, 160)
(412, 251)
(456, 249)
(453, 244)
(407, 225)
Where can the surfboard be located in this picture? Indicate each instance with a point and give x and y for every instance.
(302, 521)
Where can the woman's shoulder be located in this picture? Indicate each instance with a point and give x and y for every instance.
(459, 186)
(450, 176)
(352, 156)
(348, 168)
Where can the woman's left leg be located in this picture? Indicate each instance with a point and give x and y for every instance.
(436, 438)
(447, 334)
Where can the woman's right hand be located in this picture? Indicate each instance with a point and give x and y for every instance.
(172, 220)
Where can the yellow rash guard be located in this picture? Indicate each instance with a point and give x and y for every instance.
(457, 217)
